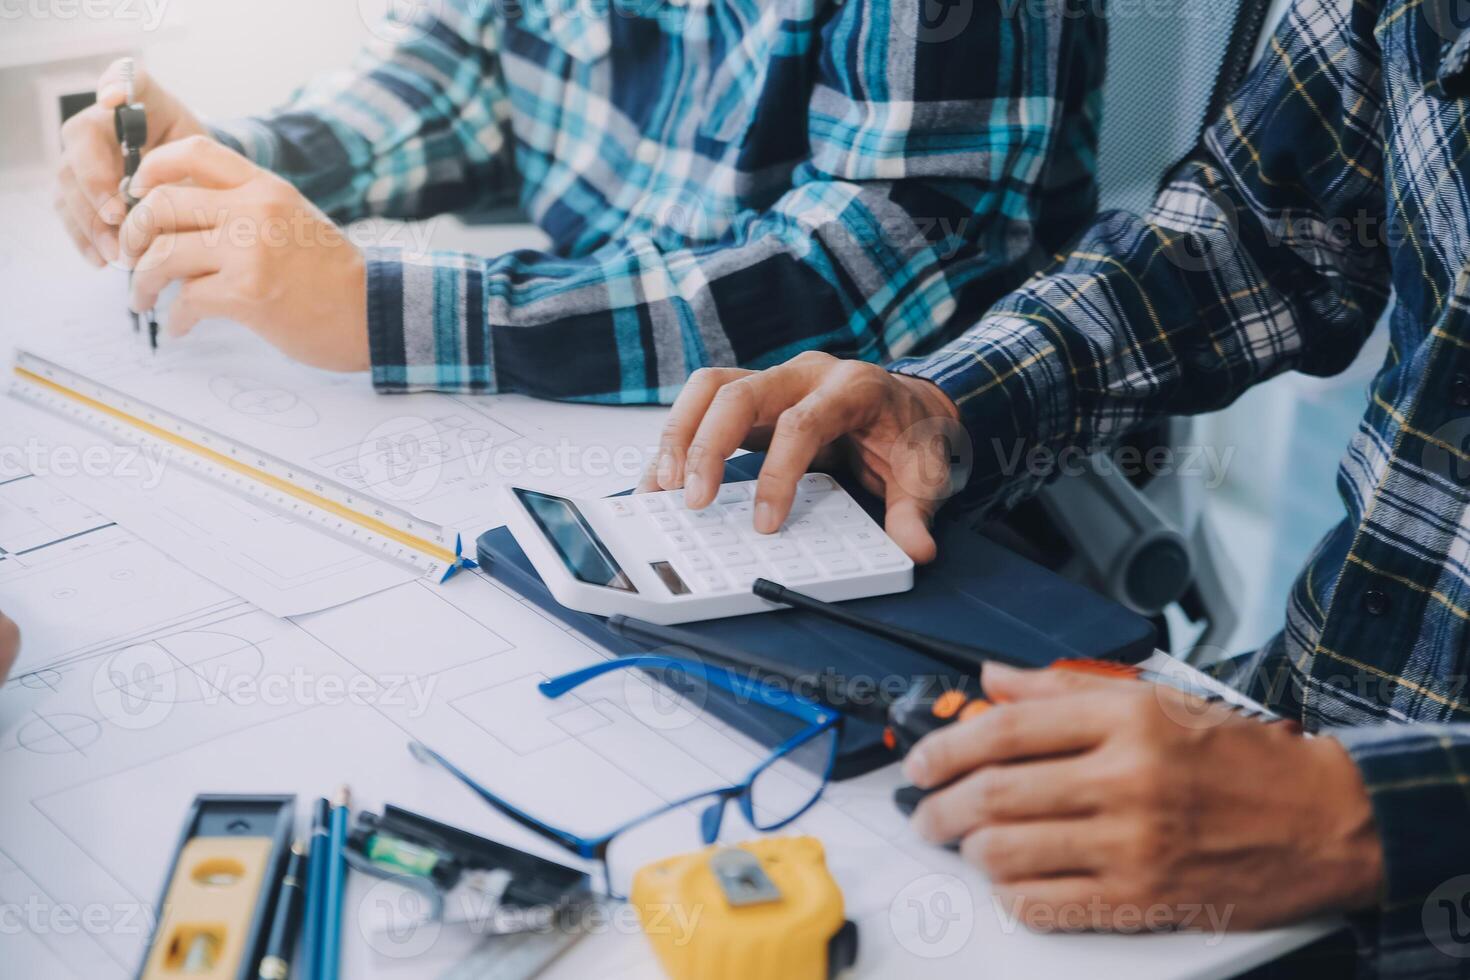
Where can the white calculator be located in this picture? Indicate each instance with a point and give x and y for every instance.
(652, 557)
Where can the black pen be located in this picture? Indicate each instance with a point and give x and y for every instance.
(276, 964)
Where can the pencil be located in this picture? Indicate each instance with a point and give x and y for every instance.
(316, 881)
(331, 949)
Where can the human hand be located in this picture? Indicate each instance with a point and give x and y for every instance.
(91, 167)
(896, 432)
(246, 245)
(1098, 803)
(9, 646)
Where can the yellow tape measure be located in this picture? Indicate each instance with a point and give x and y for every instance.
(379, 527)
(766, 908)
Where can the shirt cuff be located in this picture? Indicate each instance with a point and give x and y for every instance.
(1416, 778)
(1015, 399)
(427, 325)
(251, 138)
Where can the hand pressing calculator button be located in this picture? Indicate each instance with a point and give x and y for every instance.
(652, 557)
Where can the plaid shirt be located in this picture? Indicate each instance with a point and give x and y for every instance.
(724, 181)
(1334, 174)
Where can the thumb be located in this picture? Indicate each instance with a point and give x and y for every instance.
(907, 521)
(112, 88)
(1004, 683)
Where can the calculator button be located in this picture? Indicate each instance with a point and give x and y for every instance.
(704, 518)
(710, 582)
(652, 503)
(884, 557)
(620, 508)
(778, 549)
(821, 544)
(816, 483)
(805, 503)
(803, 526)
(840, 564)
(866, 539)
(734, 555)
(666, 522)
(740, 510)
(682, 540)
(846, 519)
(795, 569)
(732, 493)
(712, 537)
(741, 579)
(698, 561)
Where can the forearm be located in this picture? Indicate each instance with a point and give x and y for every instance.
(863, 279)
(414, 129)
(1257, 258)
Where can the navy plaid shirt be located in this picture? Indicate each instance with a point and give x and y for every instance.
(1334, 176)
(724, 181)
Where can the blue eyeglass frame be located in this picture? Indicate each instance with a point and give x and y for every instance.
(818, 718)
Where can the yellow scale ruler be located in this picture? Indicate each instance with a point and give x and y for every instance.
(371, 524)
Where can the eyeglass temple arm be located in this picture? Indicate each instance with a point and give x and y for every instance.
(736, 684)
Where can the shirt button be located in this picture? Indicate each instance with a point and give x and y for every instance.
(1375, 602)
(647, 151)
(1460, 391)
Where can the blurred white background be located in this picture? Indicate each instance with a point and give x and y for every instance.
(231, 57)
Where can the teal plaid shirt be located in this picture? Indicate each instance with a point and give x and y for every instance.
(723, 181)
(1334, 177)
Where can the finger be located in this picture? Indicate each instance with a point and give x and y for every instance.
(1025, 852)
(9, 645)
(1049, 904)
(98, 233)
(1008, 733)
(168, 210)
(67, 198)
(907, 520)
(684, 417)
(997, 795)
(738, 407)
(172, 258)
(1003, 683)
(112, 89)
(91, 151)
(834, 409)
(199, 299)
(198, 159)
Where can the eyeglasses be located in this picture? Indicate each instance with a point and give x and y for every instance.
(776, 792)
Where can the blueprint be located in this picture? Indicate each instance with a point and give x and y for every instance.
(439, 457)
(105, 739)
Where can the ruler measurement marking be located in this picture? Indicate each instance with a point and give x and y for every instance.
(202, 452)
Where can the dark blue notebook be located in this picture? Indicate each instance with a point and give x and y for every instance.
(976, 592)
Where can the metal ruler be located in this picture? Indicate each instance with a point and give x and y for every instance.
(516, 956)
(371, 524)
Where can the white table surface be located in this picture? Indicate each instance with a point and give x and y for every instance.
(965, 934)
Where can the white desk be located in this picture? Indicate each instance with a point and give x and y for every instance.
(938, 918)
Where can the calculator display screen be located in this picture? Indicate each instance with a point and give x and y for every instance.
(578, 546)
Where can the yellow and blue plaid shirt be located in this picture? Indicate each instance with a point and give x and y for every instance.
(723, 181)
(1334, 178)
